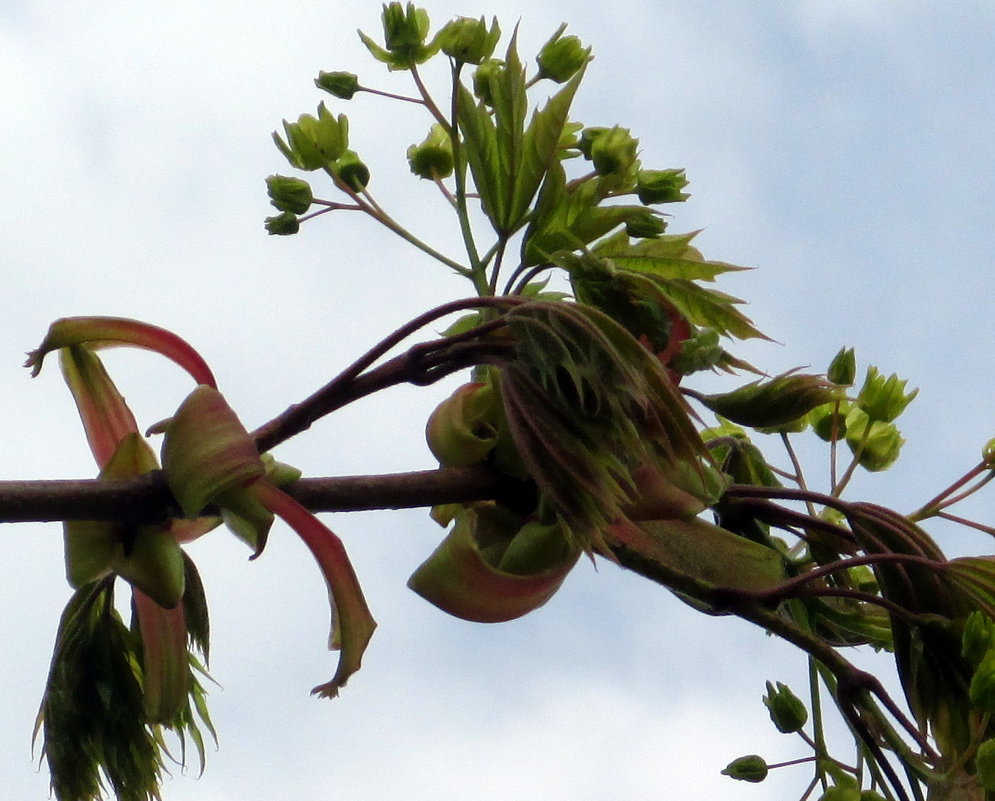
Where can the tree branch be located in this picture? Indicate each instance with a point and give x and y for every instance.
(147, 498)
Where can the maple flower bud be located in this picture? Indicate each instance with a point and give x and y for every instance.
(467, 40)
(314, 143)
(342, 85)
(978, 637)
(289, 194)
(877, 450)
(561, 57)
(749, 768)
(352, 171)
(433, 158)
(283, 224)
(883, 399)
(829, 421)
(587, 137)
(614, 151)
(984, 763)
(482, 79)
(982, 688)
(988, 454)
(786, 710)
(843, 368)
(645, 225)
(661, 186)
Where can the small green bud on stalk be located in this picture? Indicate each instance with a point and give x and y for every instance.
(978, 637)
(661, 186)
(561, 56)
(283, 224)
(883, 399)
(984, 763)
(786, 710)
(314, 143)
(433, 158)
(352, 171)
(342, 85)
(988, 454)
(750, 768)
(468, 40)
(614, 151)
(843, 368)
(829, 421)
(587, 139)
(482, 77)
(645, 225)
(289, 194)
(877, 450)
(982, 688)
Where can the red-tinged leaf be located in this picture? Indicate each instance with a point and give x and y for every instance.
(460, 577)
(103, 332)
(352, 623)
(165, 665)
(107, 420)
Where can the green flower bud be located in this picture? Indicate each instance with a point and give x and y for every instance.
(870, 795)
(988, 454)
(482, 77)
(843, 368)
(786, 710)
(405, 30)
(780, 400)
(984, 763)
(467, 40)
(661, 186)
(978, 637)
(982, 688)
(614, 151)
(841, 792)
(352, 171)
(433, 158)
(341, 84)
(587, 137)
(883, 399)
(289, 194)
(829, 421)
(750, 768)
(561, 57)
(644, 224)
(314, 143)
(877, 450)
(283, 224)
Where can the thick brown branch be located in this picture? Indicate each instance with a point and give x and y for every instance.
(148, 498)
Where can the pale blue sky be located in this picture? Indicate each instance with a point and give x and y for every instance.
(844, 149)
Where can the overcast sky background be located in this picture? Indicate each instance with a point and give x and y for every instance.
(843, 148)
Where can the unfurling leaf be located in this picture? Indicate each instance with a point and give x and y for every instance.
(780, 400)
(492, 567)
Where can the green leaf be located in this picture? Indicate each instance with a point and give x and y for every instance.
(481, 153)
(540, 149)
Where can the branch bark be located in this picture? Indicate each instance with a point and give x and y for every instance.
(148, 498)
